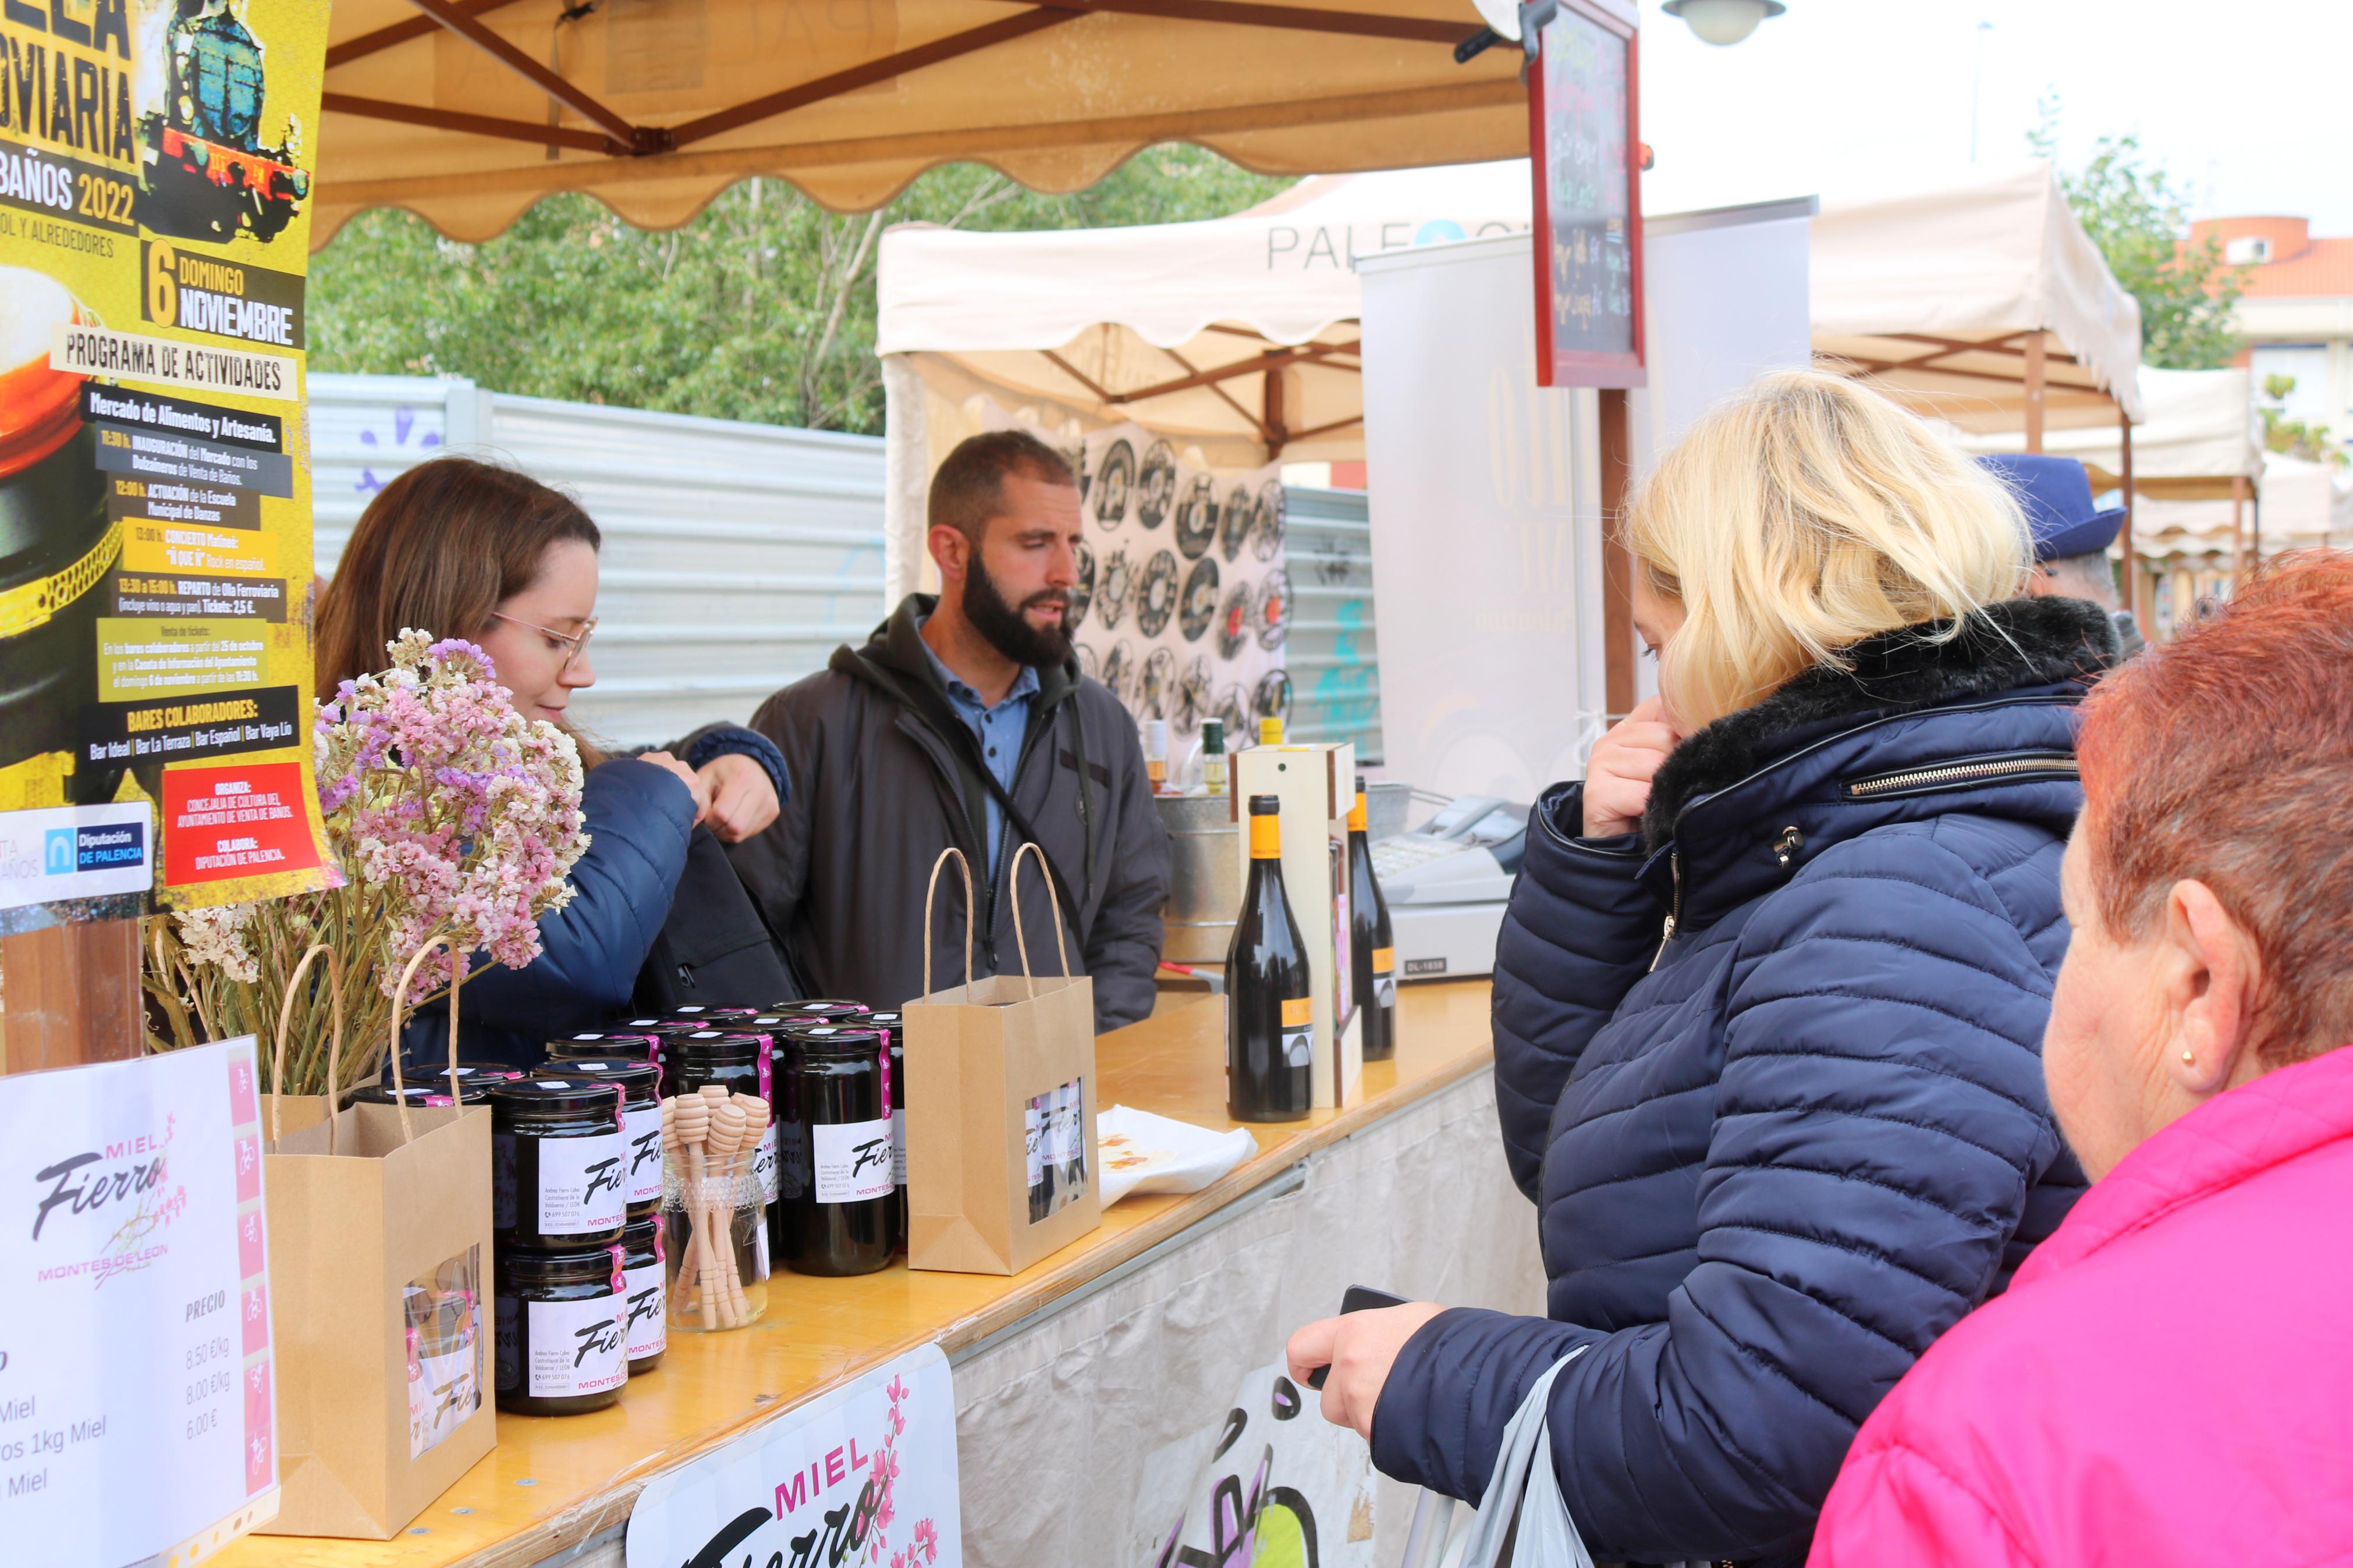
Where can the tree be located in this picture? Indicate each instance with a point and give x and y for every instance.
(2296, 437)
(2139, 219)
(761, 307)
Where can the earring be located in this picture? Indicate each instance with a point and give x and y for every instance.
(2189, 1058)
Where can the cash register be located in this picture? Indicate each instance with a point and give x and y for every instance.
(1447, 883)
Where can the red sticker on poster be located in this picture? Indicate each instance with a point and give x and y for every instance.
(224, 822)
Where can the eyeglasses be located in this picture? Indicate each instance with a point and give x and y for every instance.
(574, 643)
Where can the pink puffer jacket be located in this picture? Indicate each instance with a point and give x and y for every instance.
(2169, 1380)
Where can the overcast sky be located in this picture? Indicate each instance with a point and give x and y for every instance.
(2245, 101)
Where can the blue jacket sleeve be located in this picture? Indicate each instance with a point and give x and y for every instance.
(639, 817)
(734, 740)
(1579, 933)
(1879, 1120)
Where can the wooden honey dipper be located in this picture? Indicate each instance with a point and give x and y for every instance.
(727, 1127)
(755, 1127)
(726, 1143)
(693, 1115)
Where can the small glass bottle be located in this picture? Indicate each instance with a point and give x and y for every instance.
(1156, 754)
(1213, 756)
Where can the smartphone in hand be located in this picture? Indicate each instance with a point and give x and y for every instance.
(1357, 1298)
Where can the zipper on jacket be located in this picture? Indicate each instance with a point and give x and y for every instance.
(1674, 865)
(2041, 763)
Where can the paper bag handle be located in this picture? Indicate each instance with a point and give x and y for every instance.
(285, 1021)
(933, 887)
(1029, 846)
(400, 1005)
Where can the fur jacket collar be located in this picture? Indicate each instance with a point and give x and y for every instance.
(2004, 647)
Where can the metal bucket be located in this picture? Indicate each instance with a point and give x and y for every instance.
(1205, 876)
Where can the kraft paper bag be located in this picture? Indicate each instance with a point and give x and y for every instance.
(1001, 1107)
(380, 1263)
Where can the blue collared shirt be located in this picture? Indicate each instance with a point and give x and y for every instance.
(999, 729)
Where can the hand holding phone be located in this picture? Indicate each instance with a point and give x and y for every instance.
(1355, 1299)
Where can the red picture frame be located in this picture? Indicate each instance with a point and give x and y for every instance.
(1584, 156)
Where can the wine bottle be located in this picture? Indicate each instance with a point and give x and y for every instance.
(1371, 945)
(1270, 1027)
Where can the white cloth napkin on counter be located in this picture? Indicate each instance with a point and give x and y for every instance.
(1142, 1152)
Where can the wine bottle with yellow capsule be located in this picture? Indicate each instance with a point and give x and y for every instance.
(1270, 1020)
(1372, 949)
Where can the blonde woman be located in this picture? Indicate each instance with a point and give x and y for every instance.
(1770, 994)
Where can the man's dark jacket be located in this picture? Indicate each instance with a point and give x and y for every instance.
(1775, 1153)
(885, 775)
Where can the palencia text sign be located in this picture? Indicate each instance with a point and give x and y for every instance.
(863, 1475)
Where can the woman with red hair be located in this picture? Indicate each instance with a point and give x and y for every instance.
(2169, 1378)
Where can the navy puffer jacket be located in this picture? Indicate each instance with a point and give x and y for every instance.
(1771, 1072)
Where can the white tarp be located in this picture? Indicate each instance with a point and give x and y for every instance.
(1058, 326)
(1933, 287)
(2202, 431)
(2305, 506)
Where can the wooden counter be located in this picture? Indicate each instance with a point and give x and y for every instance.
(552, 1483)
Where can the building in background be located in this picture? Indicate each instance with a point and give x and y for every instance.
(2296, 313)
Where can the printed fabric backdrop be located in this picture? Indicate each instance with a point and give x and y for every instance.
(1184, 597)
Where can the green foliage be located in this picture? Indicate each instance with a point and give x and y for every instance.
(2139, 217)
(2296, 437)
(762, 308)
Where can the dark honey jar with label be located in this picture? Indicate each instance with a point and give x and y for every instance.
(641, 1123)
(837, 1094)
(562, 1329)
(559, 1163)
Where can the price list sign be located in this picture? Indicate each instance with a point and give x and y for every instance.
(1588, 213)
(137, 1415)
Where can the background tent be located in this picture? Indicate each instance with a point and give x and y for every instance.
(1235, 337)
(2188, 545)
(1977, 298)
(2199, 432)
(467, 111)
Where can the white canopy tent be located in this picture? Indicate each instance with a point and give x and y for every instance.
(1978, 299)
(1235, 337)
(2305, 506)
(1974, 296)
(2200, 444)
(2199, 433)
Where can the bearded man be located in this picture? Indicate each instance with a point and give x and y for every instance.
(965, 720)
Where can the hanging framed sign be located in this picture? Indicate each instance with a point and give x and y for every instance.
(1586, 162)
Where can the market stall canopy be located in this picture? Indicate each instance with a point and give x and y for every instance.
(1238, 334)
(2305, 506)
(2201, 432)
(467, 111)
(1943, 292)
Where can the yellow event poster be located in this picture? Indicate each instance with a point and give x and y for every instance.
(155, 169)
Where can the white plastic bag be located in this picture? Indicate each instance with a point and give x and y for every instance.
(1523, 1473)
(1142, 1152)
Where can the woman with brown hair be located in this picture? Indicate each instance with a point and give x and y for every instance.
(459, 548)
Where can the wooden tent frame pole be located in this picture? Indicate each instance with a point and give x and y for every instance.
(1617, 561)
(2238, 530)
(2034, 384)
(72, 996)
